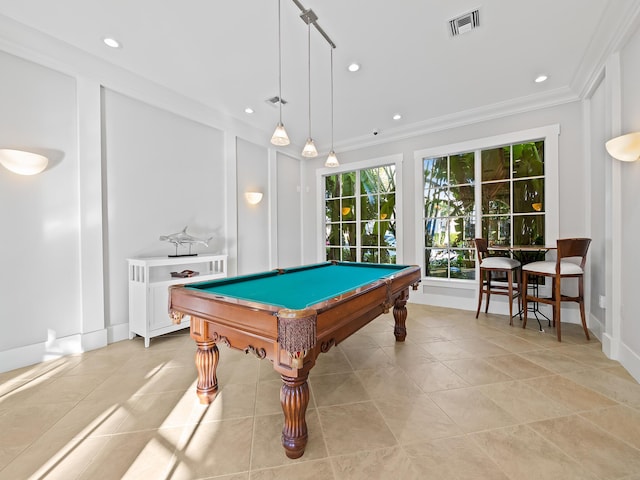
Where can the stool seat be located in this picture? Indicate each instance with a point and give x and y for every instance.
(500, 262)
(549, 268)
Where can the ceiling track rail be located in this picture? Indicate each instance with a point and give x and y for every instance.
(309, 17)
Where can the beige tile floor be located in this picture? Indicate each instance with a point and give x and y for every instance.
(460, 399)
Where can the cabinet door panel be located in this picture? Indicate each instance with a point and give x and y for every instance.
(159, 309)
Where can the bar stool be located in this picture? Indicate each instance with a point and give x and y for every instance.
(559, 270)
(505, 266)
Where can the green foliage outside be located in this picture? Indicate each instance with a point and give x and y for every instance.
(364, 200)
(450, 210)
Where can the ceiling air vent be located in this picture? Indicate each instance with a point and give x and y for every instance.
(275, 101)
(464, 23)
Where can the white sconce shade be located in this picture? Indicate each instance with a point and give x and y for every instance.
(23, 163)
(332, 160)
(253, 198)
(309, 149)
(625, 148)
(280, 137)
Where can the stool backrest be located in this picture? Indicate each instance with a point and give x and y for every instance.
(572, 248)
(482, 247)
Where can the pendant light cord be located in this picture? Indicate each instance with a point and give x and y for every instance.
(280, 59)
(309, 71)
(331, 48)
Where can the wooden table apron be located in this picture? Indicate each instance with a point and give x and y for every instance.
(253, 328)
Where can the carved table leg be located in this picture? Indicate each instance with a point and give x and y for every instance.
(400, 316)
(294, 397)
(206, 363)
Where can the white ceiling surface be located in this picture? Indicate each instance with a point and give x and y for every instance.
(224, 54)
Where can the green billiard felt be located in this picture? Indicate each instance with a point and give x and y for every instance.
(301, 287)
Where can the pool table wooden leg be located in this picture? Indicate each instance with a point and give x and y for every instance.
(206, 363)
(400, 316)
(294, 397)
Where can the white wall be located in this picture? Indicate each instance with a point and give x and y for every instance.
(599, 171)
(163, 172)
(39, 216)
(630, 200)
(254, 228)
(289, 211)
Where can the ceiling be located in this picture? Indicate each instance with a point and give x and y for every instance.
(224, 54)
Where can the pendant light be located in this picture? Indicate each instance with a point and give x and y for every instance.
(332, 160)
(309, 149)
(280, 136)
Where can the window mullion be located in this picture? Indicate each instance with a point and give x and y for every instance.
(358, 218)
(478, 191)
(512, 195)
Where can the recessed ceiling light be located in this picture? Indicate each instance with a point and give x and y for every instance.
(397, 116)
(111, 42)
(354, 67)
(248, 110)
(541, 78)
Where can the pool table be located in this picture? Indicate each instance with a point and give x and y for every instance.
(289, 316)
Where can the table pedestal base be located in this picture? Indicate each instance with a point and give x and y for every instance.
(206, 363)
(400, 316)
(294, 397)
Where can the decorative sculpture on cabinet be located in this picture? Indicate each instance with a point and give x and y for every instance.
(182, 238)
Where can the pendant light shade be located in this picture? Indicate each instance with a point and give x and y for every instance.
(332, 160)
(280, 137)
(309, 149)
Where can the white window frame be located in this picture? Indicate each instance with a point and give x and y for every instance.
(548, 133)
(396, 160)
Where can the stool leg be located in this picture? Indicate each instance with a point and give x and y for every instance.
(486, 307)
(519, 274)
(481, 283)
(581, 303)
(510, 288)
(557, 307)
(525, 289)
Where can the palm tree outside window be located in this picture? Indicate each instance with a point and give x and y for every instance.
(360, 215)
(511, 209)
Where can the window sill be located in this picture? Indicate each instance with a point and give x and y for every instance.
(450, 283)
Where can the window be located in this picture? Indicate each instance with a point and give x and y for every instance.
(502, 188)
(449, 215)
(513, 194)
(360, 215)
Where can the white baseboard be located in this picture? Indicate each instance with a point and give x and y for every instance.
(630, 360)
(467, 299)
(119, 332)
(51, 349)
(597, 328)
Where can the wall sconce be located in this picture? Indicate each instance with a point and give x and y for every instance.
(253, 198)
(23, 163)
(625, 148)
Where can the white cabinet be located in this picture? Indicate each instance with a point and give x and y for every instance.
(149, 281)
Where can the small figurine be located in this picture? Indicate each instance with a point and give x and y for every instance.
(183, 238)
